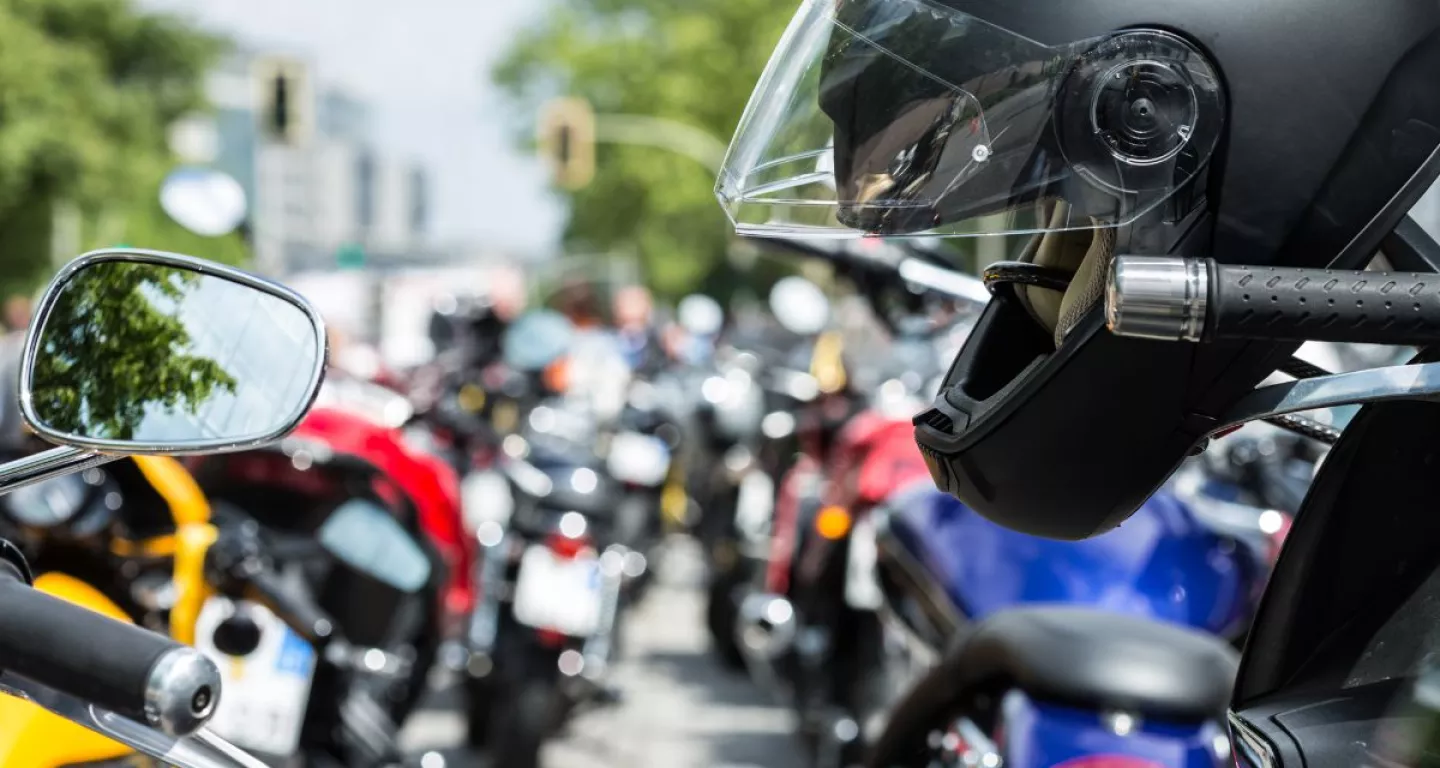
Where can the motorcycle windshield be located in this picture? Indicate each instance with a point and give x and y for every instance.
(367, 538)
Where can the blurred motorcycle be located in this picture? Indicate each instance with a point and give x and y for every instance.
(810, 630)
(762, 382)
(332, 517)
(583, 473)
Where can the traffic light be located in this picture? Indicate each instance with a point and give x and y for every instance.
(567, 141)
(283, 100)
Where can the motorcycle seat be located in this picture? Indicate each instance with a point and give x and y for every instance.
(1093, 659)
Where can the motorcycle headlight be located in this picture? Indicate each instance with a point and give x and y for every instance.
(485, 496)
(639, 459)
(715, 390)
(49, 503)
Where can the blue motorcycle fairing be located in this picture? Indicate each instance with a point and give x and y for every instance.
(1161, 564)
(1038, 735)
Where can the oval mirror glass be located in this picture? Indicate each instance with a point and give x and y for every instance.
(700, 315)
(207, 202)
(144, 352)
(800, 306)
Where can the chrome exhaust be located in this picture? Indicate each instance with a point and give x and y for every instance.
(767, 626)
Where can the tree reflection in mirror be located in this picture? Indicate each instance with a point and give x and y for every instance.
(152, 353)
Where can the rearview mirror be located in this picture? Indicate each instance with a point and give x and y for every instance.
(205, 201)
(143, 352)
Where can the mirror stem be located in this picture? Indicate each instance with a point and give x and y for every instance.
(1374, 385)
(47, 464)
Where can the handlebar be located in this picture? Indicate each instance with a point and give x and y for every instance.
(116, 666)
(235, 563)
(293, 607)
(1175, 299)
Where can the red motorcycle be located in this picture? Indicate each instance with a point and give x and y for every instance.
(812, 629)
(811, 633)
(364, 537)
(378, 415)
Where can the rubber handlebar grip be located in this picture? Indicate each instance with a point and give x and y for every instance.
(1345, 306)
(117, 666)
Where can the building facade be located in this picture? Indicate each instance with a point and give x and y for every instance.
(333, 191)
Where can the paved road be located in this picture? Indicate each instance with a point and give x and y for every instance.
(679, 708)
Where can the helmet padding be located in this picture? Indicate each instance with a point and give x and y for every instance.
(1084, 253)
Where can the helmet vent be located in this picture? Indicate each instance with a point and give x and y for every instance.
(937, 420)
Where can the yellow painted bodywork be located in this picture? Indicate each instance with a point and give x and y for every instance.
(192, 539)
(32, 737)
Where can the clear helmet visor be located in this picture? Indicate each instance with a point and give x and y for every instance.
(904, 117)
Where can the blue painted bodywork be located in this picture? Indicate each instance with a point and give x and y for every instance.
(1038, 735)
(1161, 564)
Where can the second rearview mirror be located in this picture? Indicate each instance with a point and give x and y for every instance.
(800, 306)
(144, 352)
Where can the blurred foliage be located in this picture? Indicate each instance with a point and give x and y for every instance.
(88, 89)
(110, 355)
(692, 61)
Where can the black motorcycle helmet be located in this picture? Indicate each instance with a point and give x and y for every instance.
(469, 325)
(1292, 132)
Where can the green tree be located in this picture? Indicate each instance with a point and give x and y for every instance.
(693, 61)
(109, 355)
(88, 89)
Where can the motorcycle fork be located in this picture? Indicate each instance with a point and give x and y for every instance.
(485, 623)
(596, 650)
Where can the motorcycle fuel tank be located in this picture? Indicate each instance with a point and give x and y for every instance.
(1162, 564)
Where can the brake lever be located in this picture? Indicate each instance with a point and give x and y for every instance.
(201, 749)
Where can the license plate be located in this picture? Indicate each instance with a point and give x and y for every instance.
(755, 504)
(557, 593)
(862, 586)
(262, 703)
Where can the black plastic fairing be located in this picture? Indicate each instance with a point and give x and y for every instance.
(1328, 730)
(1363, 545)
(1352, 609)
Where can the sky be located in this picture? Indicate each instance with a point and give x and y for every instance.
(422, 65)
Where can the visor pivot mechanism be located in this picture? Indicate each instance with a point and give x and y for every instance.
(980, 153)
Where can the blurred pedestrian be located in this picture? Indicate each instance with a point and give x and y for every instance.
(576, 300)
(489, 318)
(634, 313)
(507, 292)
(12, 347)
(17, 313)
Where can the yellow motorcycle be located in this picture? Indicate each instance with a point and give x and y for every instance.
(92, 561)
